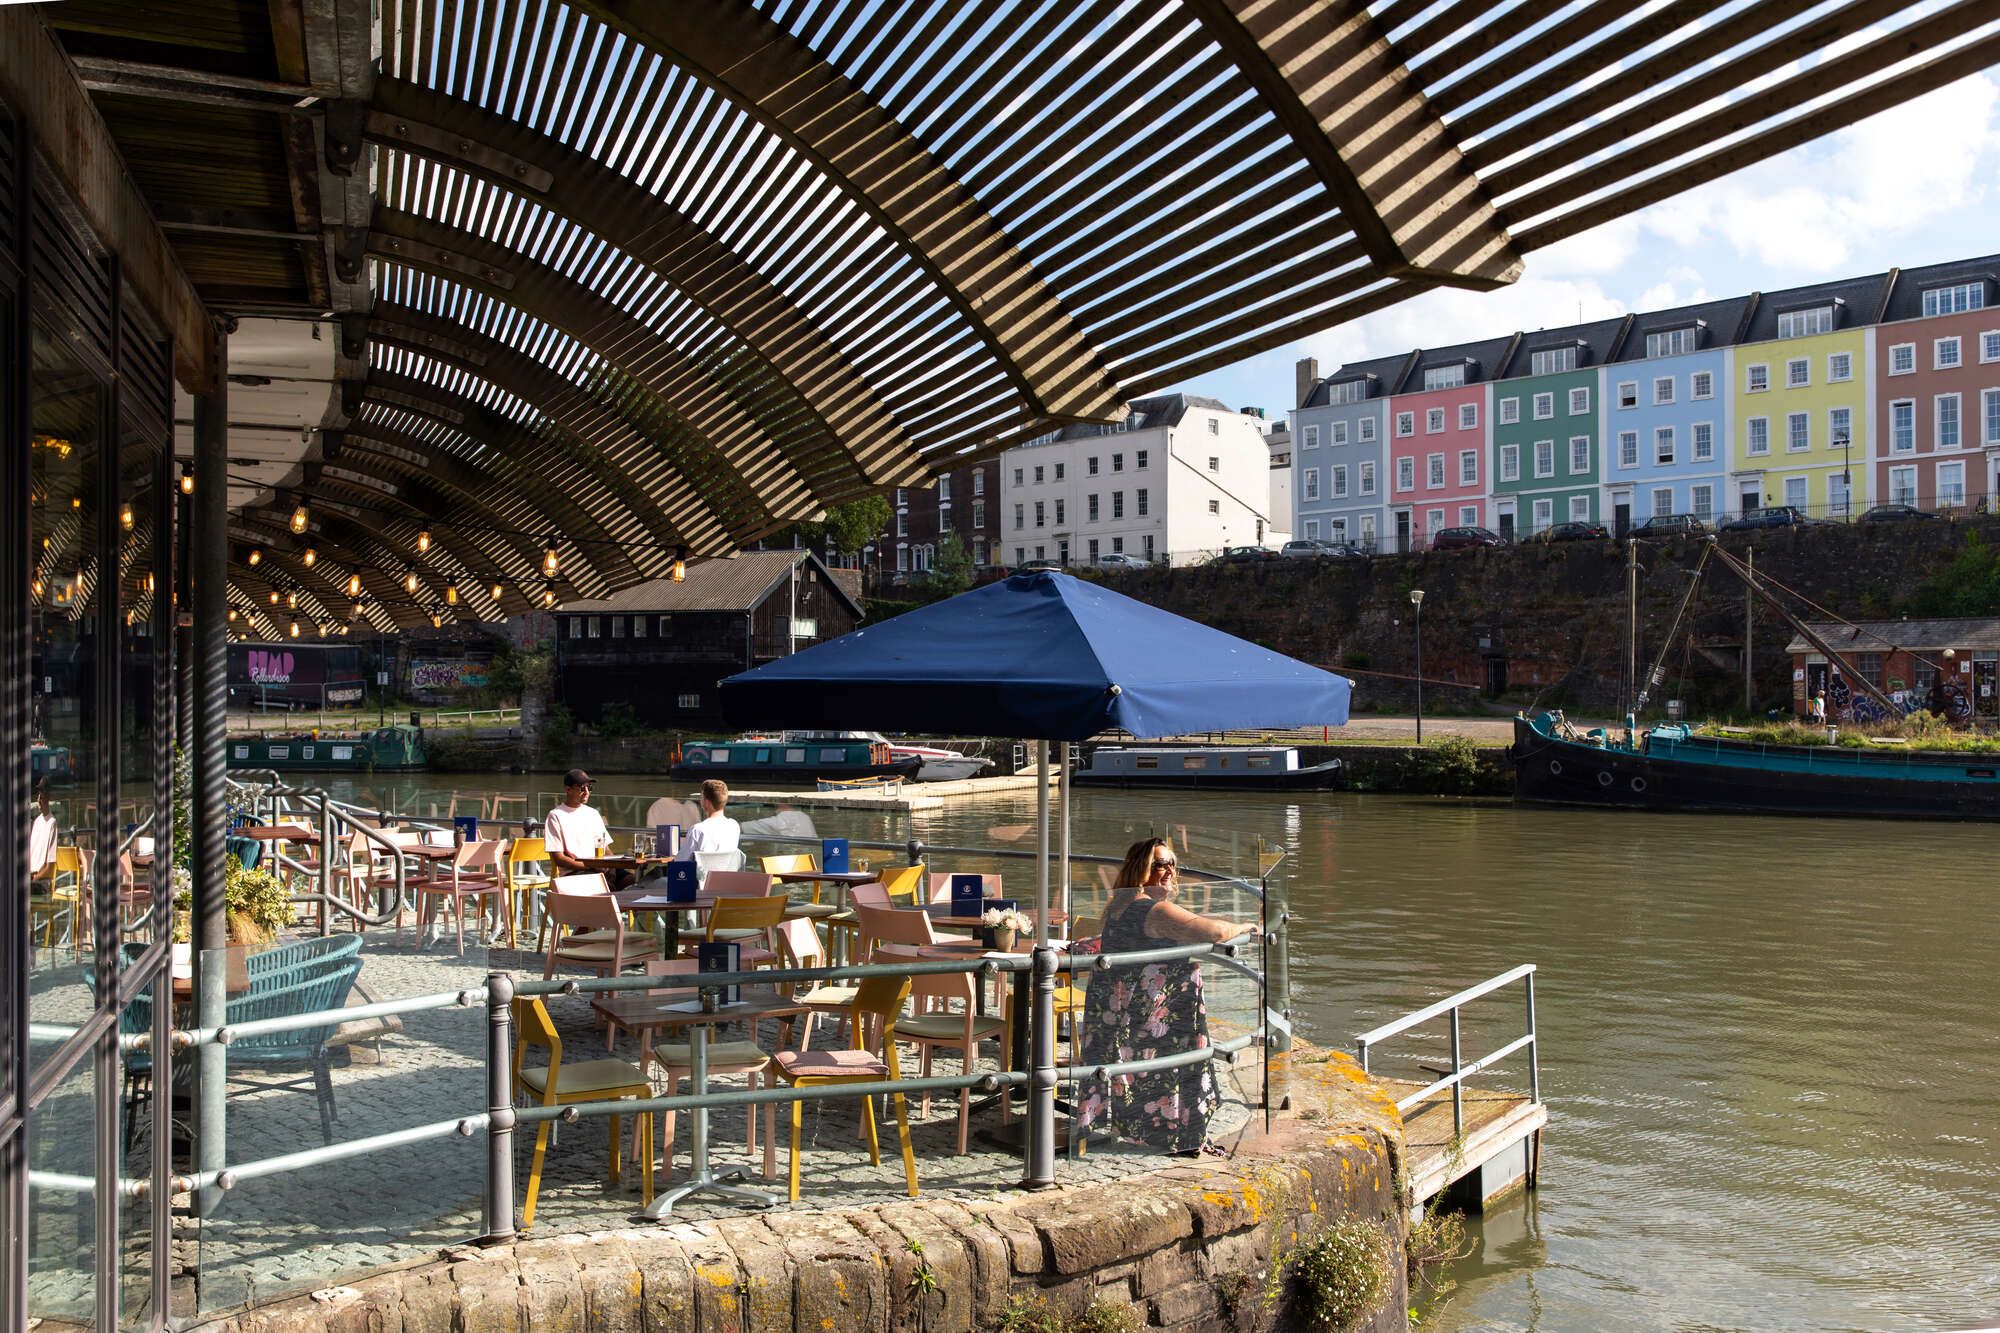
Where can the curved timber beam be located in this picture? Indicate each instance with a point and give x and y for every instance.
(766, 484)
(1327, 73)
(932, 216)
(360, 549)
(591, 435)
(551, 502)
(506, 153)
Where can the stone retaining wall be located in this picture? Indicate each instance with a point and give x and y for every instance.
(1186, 1247)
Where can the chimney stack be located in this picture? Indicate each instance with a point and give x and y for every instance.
(1307, 376)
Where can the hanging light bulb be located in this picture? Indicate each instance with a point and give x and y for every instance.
(125, 516)
(551, 562)
(295, 629)
(37, 587)
(76, 502)
(187, 483)
(310, 558)
(256, 556)
(232, 615)
(423, 541)
(680, 570)
(274, 597)
(410, 582)
(451, 594)
(437, 621)
(301, 517)
(354, 612)
(150, 585)
(549, 597)
(354, 585)
(494, 592)
(292, 600)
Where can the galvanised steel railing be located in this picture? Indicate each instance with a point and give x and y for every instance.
(1460, 1071)
(501, 1117)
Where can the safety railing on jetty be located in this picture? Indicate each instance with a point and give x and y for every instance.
(1460, 1070)
(501, 1117)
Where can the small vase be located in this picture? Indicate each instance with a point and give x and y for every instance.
(1003, 939)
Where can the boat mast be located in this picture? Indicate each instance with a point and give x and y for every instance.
(1868, 687)
(1631, 637)
(1749, 602)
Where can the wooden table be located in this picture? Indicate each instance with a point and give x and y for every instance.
(235, 977)
(646, 1012)
(275, 833)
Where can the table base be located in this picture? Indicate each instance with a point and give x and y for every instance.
(710, 1182)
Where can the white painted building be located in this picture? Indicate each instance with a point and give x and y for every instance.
(1278, 439)
(1177, 480)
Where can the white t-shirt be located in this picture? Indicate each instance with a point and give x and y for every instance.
(41, 843)
(576, 831)
(717, 833)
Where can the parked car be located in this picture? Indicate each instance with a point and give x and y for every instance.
(1575, 532)
(1465, 539)
(1671, 525)
(1309, 548)
(1247, 555)
(1120, 560)
(1895, 514)
(1034, 565)
(1771, 516)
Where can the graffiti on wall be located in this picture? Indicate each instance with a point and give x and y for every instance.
(455, 674)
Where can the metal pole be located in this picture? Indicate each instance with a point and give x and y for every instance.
(1420, 673)
(1062, 820)
(104, 887)
(1631, 633)
(1041, 1140)
(1278, 993)
(17, 696)
(1042, 832)
(1749, 602)
(325, 865)
(499, 1108)
(208, 572)
(1457, 1086)
(1535, 1046)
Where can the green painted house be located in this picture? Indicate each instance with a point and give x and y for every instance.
(1546, 439)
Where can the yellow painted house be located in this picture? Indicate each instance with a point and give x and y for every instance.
(1800, 405)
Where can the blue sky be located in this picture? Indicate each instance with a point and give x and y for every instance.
(1917, 184)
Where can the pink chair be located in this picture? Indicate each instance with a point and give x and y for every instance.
(953, 1022)
(475, 873)
(583, 904)
(941, 887)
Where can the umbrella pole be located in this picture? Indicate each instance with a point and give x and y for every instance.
(1063, 760)
(1042, 831)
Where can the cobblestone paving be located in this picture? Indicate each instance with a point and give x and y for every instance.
(312, 1227)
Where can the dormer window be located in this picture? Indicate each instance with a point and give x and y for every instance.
(1805, 323)
(1347, 391)
(1444, 377)
(1673, 342)
(1552, 360)
(1955, 299)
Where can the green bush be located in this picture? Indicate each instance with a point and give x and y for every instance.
(1451, 765)
(1340, 1276)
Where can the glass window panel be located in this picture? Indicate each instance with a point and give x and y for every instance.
(62, 1201)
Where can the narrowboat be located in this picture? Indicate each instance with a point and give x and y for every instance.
(1669, 767)
(794, 760)
(50, 763)
(1237, 767)
(382, 750)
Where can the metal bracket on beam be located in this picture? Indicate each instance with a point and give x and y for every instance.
(427, 406)
(453, 349)
(344, 123)
(331, 445)
(491, 274)
(429, 141)
(352, 394)
(350, 251)
(354, 336)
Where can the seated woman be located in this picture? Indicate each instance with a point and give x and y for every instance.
(1138, 1013)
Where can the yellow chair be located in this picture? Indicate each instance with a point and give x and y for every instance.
(906, 882)
(789, 864)
(880, 998)
(67, 861)
(744, 920)
(522, 882)
(963, 1028)
(581, 1081)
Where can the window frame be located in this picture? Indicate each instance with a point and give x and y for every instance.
(1696, 380)
(1938, 346)
(1510, 462)
(1510, 410)
(1896, 352)
(1751, 431)
(1544, 405)
(1545, 459)
(1755, 372)
(1575, 409)
(1663, 390)
(1957, 401)
(1579, 455)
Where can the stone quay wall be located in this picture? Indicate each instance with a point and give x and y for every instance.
(1187, 1247)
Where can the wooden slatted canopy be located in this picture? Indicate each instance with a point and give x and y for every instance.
(660, 277)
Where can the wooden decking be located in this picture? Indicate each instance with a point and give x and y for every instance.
(1501, 1130)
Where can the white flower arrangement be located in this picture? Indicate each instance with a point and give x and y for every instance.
(1007, 918)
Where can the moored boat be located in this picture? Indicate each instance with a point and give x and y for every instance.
(1670, 767)
(935, 764)
(1240, 767)
(787, 759)
(383, 749)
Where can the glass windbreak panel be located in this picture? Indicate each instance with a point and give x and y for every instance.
(62, 1208)
(66, 581)
(135, 1137)
(136, 729)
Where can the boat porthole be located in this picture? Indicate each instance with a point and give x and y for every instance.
(1604, 779)
(1556, 767)
(1638, 784)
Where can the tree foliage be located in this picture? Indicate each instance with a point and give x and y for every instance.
(1968, 586)
(851, 526)
(951, 572)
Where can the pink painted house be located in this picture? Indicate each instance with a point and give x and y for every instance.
(1439, 428)
(1936, 364)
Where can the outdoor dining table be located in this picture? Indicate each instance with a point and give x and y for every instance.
(842, 881)
(235, 974)
(644, 1012)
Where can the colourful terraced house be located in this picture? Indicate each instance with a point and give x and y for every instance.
(1545, 460)
(1438, 443)
(1666, 416)
(1800, 387)
(1936, 373)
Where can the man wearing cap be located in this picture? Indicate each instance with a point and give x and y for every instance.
(574, 830)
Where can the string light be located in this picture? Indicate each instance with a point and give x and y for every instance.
(232, 614)
(76, 502)
(680, 569)
(292, 600)
(354, 585)
(274, 597)
(424, 541)
(451, 594)
(310, 557)
(437, 621)
(551, 562)
(295, 629)
(37, 587)
(125, 516)
(187, 483)
(494, 592)
(549, 597)
(256, 556)
(301, 517)
(410, 582)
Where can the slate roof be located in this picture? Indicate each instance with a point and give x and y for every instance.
(1907, 300)
(1721, 320)
(1859, 297)
(1599, 339)
(1867, 636)
(1485, 356)
(1386, 370)
(739, 583)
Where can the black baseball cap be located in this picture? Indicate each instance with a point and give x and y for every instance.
(576, 777)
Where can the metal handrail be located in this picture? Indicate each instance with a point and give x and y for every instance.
(1460, 1070)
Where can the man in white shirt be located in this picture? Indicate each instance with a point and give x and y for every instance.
(716, 832)
(574, 830)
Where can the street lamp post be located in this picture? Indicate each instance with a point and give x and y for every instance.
(1417, 600)
(1846, 484)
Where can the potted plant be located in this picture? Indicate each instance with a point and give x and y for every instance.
(1008, 925)
(256, 901)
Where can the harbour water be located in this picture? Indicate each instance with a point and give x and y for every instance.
(1768, 1045)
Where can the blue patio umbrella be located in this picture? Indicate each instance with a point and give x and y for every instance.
(1038, 656)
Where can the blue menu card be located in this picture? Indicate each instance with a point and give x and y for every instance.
(666, 840)
(467, 826)
(833, 855)
(968, 895)
(719, 956)
(681, 884)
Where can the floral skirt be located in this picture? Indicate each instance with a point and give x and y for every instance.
(1137, 1014)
